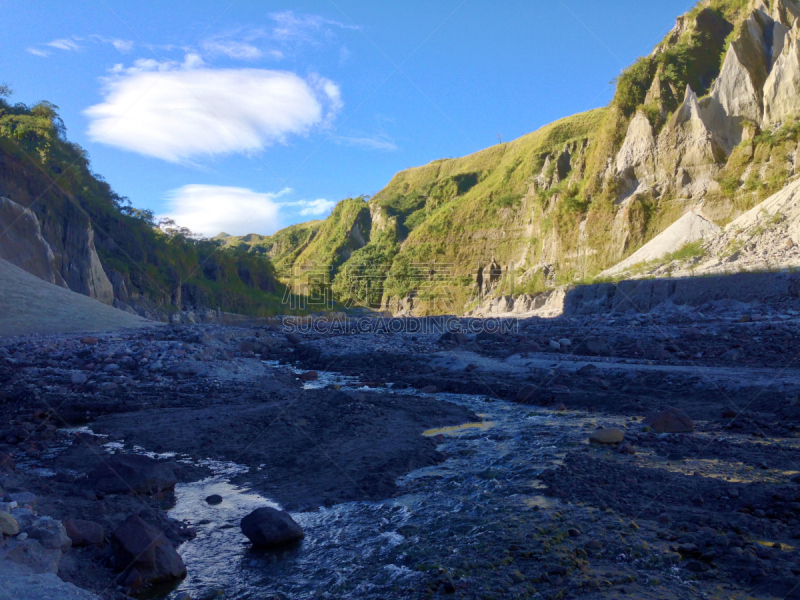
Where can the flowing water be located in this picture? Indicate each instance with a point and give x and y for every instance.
(373, 549)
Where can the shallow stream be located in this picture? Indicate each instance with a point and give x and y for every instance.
(374, 549)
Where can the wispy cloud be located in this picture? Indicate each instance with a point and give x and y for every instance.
(306, 28)
(72, 45)
(233, 49)
(374, 143)
(122, 46)
(64, 44)
(199, 111)
(315, 208)
(288, 32)
(212, 209)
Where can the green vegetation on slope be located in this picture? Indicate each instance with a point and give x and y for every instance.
(757, 168)
(552, 196)
(40, 168)
(283, 247)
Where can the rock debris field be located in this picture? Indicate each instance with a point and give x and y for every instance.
(649, 455)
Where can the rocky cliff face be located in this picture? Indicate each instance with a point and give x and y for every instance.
(758, 85)
(62, 252)
(23, 245)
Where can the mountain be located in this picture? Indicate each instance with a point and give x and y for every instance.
(64, 224)
(705, 124)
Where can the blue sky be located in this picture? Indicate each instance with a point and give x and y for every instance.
(249, 116)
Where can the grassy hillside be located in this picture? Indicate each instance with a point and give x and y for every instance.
(54, 178)
(550, 198)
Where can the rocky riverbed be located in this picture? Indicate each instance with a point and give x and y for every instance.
(417, 462)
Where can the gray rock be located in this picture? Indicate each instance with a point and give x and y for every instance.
(734, 355)
(50, 534)
(78, 378)
(24, 517)
(31, 554)
(22, 583)
(24, 499)
(266, 527)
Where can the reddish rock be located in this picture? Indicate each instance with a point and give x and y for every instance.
(672, 420)
(84, 533)
(131, 579)
(90, 341)
(142, 547)
(308, 376)
(6, 462)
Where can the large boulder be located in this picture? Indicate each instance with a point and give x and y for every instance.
(611, 435)
(453, 337)
(672, 420)
(84, 533)
(592, 346)
(528, 395)
(8, 524)
(267, 527)
(141, 547)
(125, 473)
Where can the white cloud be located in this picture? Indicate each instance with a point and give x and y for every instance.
(212, 209)
(38, 52)
(64, 44)
(199, 111)
(373, 143)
